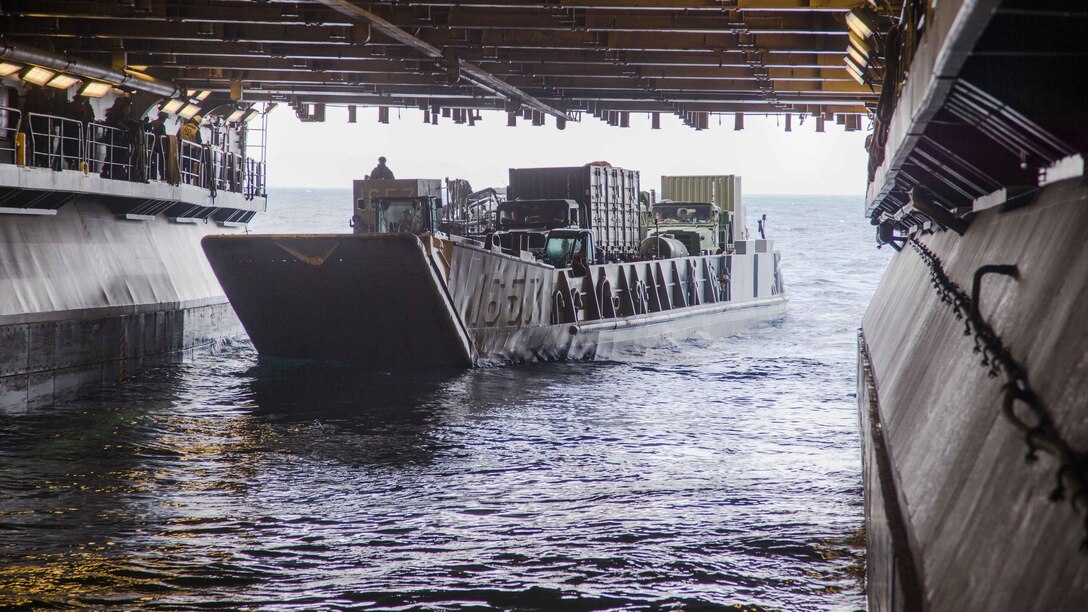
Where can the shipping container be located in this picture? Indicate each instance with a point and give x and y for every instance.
(607, 197)
(723, 190)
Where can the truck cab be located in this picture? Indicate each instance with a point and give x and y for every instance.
(405, 215)
(570, 248)
(699, 226)
(537, 215)
(387, 206)
(523, 225)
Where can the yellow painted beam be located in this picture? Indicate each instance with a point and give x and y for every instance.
(796, 5)
(845, 86)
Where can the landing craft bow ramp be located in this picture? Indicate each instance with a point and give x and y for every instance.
(543, 62)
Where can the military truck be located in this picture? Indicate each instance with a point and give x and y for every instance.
(396, 205)
(704, 213)
(606, 199)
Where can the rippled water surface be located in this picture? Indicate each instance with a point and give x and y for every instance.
(708, 472)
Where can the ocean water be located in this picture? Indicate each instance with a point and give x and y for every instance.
(707, 473)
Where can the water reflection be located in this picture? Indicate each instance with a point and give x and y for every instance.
(707, 474)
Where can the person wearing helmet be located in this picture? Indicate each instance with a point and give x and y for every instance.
(381, 171)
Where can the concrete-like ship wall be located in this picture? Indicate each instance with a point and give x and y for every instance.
(956, 490)
(86, 298)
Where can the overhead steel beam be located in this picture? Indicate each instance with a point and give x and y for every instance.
(469, 71)
(432, 41)
(262, 68)
(523, 17)
(182, 50)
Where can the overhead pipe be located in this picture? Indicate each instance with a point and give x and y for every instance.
(471, 72)
(62, 62)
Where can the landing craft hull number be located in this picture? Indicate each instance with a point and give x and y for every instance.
(503, 302)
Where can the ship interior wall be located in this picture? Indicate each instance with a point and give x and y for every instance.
(48, 362)
(989, 530)
(87, 297)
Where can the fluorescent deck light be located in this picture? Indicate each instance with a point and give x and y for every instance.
(857, 56)
(189, 111)
(862, 21)
(62, 81)
(236, 115)
(95, 89)
(854, 71)
(862, 44)
(173, 106)
(7, 69)
(37, 75)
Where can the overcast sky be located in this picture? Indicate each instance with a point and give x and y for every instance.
(769, 159)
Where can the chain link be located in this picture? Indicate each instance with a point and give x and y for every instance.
(1021, 406)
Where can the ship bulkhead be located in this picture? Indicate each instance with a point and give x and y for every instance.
(972, 371)
(101, 271)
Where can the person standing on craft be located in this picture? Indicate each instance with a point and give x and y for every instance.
(381, 171)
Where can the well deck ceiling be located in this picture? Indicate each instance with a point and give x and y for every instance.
(669, 56)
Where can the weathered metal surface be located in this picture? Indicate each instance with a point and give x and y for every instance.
(594, 56)
(982, 529)
(85, 297)
(371, 299)
(955, 129)
(85, 260)
(45, 362)
(457, 68)
(613, 308)
(392, 301)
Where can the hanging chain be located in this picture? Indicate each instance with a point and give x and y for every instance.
(1021, 406)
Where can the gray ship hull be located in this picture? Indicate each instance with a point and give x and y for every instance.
(87, 298)
(398, 301)
(957, 518)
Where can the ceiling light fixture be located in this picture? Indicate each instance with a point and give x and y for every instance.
(189, 111)
(857, 73)
(173, 106)
(862, 44)
(857, 56)
(62, 81)
(862, 21)
(36, 75)
(95, 89)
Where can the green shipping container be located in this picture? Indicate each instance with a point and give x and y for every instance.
(722, 189)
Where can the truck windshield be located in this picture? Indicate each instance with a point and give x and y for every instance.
(402, 216)
(683, 213)
(560, 252)
(545, 214)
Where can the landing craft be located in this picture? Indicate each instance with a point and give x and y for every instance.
(397, 293)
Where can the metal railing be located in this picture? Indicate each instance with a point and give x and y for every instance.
(158, 152)
(191, 160)
(253, 185)
(62, 143)
(54, 142)
(9, 133)
(108, 152)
